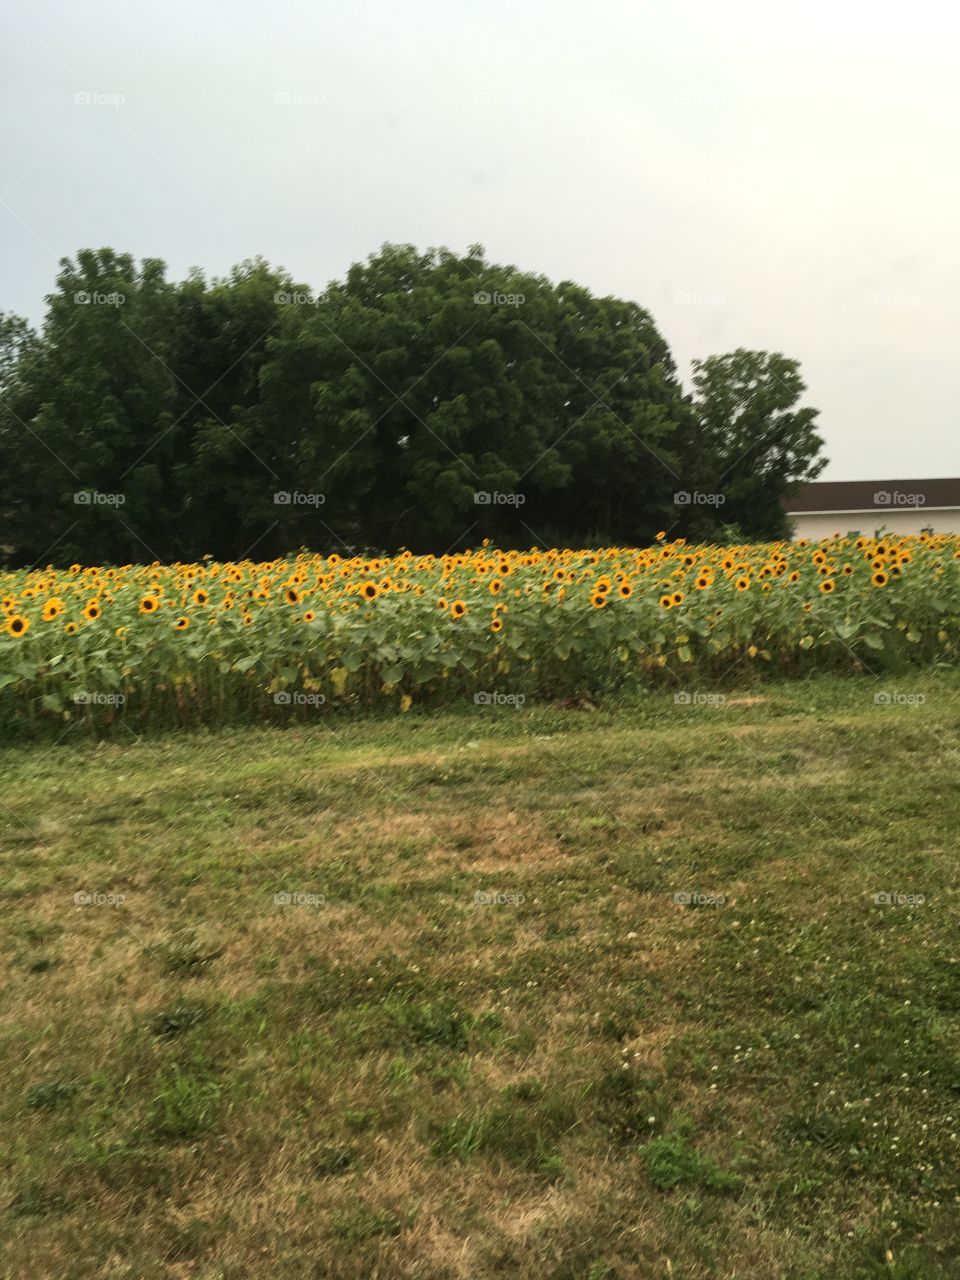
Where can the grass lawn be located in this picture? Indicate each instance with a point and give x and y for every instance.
(581, 1078)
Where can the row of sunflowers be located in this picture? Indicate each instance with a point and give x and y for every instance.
(211, 642)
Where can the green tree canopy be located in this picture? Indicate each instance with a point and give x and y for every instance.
(427, 400)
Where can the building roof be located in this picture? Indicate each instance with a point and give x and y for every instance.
(874, 495)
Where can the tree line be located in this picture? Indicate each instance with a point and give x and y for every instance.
(428, 400)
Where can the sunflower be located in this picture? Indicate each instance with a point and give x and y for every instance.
(827, 585)
(661, 535)
(666, 602)
(702, 582)
(91, 611)
(598, 599)
(458, 609)
(181, 623)
(370, 590)
(18, 625)
(442, 602)
(309, 616)
(496, 625)
(69, 628)
(879, 578)
(743, 584)
(52, 609)
(200, 596)
(149, 604)
(291, 595)
(624, 591)
(495, 586)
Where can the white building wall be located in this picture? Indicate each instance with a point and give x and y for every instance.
(815, 525)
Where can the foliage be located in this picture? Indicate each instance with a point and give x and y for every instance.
(211, 642)
(426, 400)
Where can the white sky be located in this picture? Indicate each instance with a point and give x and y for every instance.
(791, 171)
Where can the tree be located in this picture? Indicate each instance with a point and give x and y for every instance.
(93, 397)
(424, 382)
(19, 350)
(225, 473)
(748, 442)
(428, 400)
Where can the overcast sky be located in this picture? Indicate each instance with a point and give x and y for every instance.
(755, 175)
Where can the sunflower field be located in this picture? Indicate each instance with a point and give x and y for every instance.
(210, 643)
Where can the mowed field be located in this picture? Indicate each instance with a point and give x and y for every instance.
(587, 994)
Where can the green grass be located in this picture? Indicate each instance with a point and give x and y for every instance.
(676, 1035)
